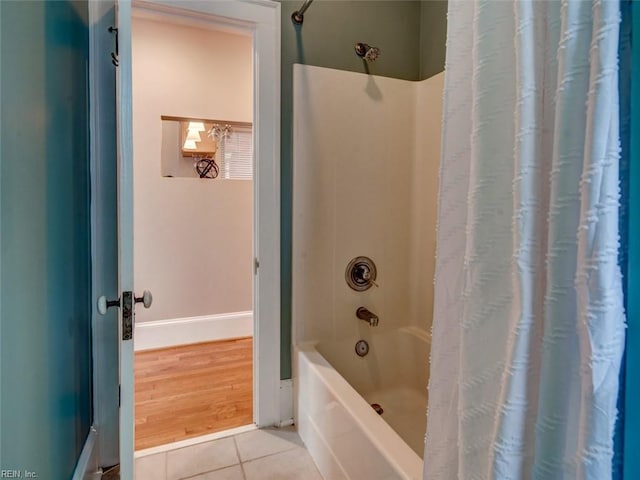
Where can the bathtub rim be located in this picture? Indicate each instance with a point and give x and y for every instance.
(387, 441)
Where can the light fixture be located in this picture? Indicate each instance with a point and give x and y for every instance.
(196, 126)
(193, 135)
(189, 145)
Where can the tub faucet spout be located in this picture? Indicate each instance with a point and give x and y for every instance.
(364, 314)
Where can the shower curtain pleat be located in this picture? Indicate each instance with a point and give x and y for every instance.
(442, 456)
(528, 326)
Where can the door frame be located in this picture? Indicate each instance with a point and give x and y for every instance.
(261, 19)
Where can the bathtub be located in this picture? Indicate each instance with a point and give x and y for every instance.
(334, 388)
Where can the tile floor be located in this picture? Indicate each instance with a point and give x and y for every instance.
(267, 454)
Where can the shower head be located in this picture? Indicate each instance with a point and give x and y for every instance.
(367, 52)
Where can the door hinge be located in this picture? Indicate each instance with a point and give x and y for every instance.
(119, 395)
(256, 266)
(114, 55)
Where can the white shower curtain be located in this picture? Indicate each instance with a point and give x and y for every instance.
(528, 327)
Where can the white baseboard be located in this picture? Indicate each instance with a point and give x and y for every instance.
(87, 466)
(286, 403)
(182, 331)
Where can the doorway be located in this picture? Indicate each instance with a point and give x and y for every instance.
(113, 241)
(193, 234)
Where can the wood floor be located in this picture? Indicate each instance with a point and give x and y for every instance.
(192, 390)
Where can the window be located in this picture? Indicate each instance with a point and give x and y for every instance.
(206, 149)
(236, 159)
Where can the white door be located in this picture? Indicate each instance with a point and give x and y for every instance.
(111, 125)
(125, 236)
(125, 300)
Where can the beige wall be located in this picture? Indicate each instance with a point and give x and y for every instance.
(366, 156)
(193, 237)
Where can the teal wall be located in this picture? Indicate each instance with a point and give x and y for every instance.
(45, 342)
(411, 36)
(631, 443)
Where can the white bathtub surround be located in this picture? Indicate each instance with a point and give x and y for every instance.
(366, 154)
(528, 325)
(182, 331)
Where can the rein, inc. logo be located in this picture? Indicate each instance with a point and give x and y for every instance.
(18, 474)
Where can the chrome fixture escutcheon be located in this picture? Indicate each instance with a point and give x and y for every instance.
(361, 274)
(362, 348)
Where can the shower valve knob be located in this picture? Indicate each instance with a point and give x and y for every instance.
(146, 299)
(363, 272)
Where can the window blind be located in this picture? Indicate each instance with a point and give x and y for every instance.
(237, 153)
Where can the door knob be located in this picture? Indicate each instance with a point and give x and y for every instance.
(104, 304)
(127, 303)
(146, 299)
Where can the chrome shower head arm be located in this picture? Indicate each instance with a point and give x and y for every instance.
(297, 17)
